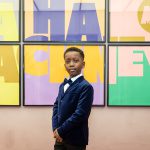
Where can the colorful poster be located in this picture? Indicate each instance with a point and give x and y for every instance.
(64, 20)
(129, 76)
(9, 75)
(44, 71)
(9, 20)
(129, 20)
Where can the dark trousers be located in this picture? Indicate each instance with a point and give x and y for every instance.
(64, 146)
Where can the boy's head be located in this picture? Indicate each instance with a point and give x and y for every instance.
(74, 61)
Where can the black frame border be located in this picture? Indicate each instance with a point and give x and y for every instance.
(19, 28)
(65, 44)
(118, 45)
(109, 28)
(19, 98)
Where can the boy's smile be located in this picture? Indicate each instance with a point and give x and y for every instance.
(74, 63)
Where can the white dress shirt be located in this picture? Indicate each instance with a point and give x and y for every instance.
(72, 79)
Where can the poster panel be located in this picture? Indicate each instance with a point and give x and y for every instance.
(9, 75)
(129, 21)
(44, 71)
(9, 20)
(64, 20)
(129, 76)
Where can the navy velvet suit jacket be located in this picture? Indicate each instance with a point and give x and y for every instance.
(71, 111)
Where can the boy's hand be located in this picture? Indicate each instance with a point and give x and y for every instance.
(56, 135)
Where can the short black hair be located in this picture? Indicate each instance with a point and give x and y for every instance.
(74, 49)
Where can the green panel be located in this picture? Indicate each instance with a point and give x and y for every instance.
(132, 91)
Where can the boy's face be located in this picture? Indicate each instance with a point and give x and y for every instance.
(74, 63)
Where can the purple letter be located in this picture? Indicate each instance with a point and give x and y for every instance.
(56, 15)
(84, 21)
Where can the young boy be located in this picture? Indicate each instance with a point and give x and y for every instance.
(73, 105)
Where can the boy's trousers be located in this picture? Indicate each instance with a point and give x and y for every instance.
(64, 146)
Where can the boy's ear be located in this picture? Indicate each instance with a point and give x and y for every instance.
(83, 64)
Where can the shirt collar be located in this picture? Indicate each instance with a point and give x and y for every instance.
(76, 77)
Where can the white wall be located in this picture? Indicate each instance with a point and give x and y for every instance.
(29, 128)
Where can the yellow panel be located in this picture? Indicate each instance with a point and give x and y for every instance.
(8, 25)
(9, 83)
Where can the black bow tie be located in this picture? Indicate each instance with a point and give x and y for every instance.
(67, 81)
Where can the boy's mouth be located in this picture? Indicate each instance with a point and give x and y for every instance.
(72, 70)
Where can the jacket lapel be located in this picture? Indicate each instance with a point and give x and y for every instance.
(74, 84)
(61, 91)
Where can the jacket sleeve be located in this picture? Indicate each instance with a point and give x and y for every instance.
(55, 115)
(81, 113)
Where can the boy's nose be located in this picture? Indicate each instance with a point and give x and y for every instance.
(71, 63)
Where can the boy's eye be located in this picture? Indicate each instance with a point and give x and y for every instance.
(67, 61)
(75, 60)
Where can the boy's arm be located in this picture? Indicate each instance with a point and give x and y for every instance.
(82, 111)
(55, 115)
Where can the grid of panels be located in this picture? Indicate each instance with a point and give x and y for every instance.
(115, 36)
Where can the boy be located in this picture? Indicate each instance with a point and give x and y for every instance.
(73, 105)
